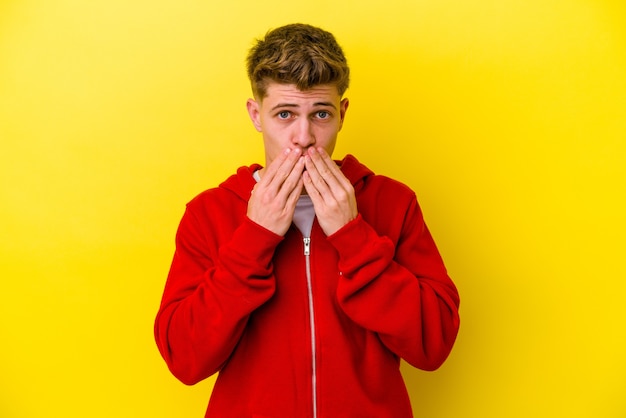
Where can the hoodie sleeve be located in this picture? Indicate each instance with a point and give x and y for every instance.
(399, 289)
(209, 294)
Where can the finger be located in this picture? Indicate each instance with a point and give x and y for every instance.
(315, 183)
(294, 194)
(292, 179)
(270, 171)
(281, 168)
(325, 175)
(321, 157)
(311, 189)
(334, 168)
(327, 168)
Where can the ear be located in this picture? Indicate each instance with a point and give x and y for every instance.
(255, 113)
(343, 108)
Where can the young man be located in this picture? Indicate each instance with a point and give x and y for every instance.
(305, 281)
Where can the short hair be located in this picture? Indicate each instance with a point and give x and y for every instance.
(298, 54)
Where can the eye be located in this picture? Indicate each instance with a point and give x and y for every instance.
(323, 114)
(284, 114)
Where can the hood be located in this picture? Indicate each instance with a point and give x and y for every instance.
(242, 182)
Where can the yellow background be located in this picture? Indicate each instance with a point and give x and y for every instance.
(508, 119)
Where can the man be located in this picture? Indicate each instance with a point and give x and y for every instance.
(305, 281)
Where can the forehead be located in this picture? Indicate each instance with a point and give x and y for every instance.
(289, 93)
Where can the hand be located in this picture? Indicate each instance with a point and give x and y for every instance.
(273, 200)
(331, 192)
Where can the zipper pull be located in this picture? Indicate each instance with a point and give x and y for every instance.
(307, 245)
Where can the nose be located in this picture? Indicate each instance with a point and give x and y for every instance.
(303, 135)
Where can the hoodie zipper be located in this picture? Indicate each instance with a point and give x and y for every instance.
(309, 285)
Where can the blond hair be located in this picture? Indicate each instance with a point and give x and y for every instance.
(298, 54)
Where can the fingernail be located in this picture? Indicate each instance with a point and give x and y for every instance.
(287, 150)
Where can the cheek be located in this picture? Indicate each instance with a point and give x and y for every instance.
(273, 138)
(328, 143)
(330, 147)
(273, 144)
(328, 135)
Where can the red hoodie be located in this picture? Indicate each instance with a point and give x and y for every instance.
(301, 328)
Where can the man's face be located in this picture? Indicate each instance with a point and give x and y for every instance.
(291, 118)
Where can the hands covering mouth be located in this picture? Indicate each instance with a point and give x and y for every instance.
(294, 171)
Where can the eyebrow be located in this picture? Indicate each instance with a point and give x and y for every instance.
(282, 105)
